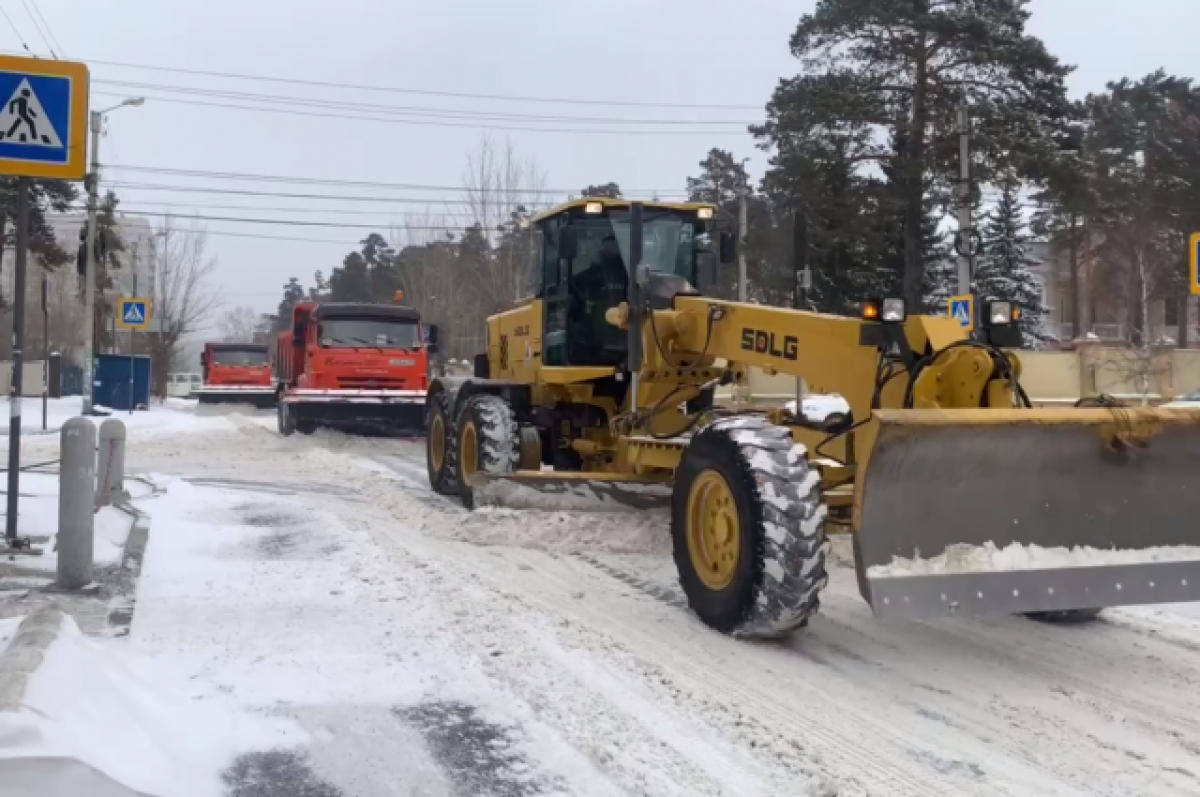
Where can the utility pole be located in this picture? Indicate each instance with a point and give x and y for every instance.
(743, 233)
(18, 364)
(132, 331)
(803, 282)
(45, 345)
(964, 244)
(89, 301)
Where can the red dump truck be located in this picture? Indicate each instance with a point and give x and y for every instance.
(236, 373)
(354, 367)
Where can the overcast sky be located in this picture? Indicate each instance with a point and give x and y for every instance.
(700, 52)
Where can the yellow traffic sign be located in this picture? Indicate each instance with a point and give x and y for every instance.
(962, 310)
(1194, 264)
(134, 313)
(44, 117)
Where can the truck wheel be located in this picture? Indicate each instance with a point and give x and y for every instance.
(488, 441)
(748, 529)
(441, 455)
(287, 423)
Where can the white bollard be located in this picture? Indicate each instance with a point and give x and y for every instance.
(76, 516)
(110, 481)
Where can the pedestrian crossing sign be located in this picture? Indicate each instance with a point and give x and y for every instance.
(962, 310)
(43, 117)
(134, 314)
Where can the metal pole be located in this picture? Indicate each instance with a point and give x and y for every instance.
(965, 242)
(14, 396)
(76, 509)
(131, 330)
(743, 232)
(45, 346)
(89, 301)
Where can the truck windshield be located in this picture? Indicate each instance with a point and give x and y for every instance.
(376, 333)
(668, 242)
(239, 357)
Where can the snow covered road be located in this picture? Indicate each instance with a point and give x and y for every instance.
(426, 650)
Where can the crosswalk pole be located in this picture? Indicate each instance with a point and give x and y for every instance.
(18, 364)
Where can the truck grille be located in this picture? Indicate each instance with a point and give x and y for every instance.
(372, 382)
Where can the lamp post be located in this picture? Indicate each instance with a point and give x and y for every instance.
(89, 302)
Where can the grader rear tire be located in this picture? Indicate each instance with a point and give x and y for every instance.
(748, 529)
(488, 442)
(441, 453)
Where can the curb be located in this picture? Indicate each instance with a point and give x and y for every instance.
(25, 652)
(120, 608)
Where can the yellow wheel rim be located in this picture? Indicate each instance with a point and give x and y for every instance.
(468, 450)
(437, 442)
(714, 533)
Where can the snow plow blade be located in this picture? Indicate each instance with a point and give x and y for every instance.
(397, 412)
(552, 492)
(258, 396)
(1029, 511)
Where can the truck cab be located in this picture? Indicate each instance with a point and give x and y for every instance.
(352, 364)
(236, 372)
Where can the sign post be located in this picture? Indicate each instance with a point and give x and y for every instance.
(43, 134)
(133, 313)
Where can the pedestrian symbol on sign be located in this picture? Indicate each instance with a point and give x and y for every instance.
(134, 314)
(962, 310)
(24, 121)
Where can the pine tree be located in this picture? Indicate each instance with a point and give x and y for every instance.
(1004, 272)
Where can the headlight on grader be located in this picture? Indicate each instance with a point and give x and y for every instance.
(893, 311)
(889, 311)
(1000, 314)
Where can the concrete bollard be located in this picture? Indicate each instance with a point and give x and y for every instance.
(76, 515)
(110, 479)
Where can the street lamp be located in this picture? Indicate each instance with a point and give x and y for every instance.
(89, 302)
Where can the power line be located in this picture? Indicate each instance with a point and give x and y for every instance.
(38, 27)
(301, 223)
(425, 123)
(13, 25)
(278, 178)
(451, 113)
(424, 92)
(49, 30)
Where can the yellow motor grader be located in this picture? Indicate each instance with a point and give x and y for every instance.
(961, 497)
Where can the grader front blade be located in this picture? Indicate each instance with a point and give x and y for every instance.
(1029, 511)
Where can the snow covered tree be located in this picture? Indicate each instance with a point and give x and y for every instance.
(1004, 272)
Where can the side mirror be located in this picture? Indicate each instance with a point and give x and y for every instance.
(298, 336)
(728, 248)
(568, 243)
(431, 338)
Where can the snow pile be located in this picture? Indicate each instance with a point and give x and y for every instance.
(989, 558)
(555, 495)
(59, 411)
(648, 531)
(83, 706)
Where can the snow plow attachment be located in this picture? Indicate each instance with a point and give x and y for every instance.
(552, 492)
(395, 412)
(1051, 512)
(257, 396)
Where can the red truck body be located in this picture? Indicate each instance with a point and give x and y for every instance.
(237, 373)
(349, 365)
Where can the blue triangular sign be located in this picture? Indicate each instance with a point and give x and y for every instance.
(961, 314)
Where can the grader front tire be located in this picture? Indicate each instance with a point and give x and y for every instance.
(748, 529)
(488, 442)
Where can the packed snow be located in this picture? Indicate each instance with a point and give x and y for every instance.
(1017, 556)
(86, 704)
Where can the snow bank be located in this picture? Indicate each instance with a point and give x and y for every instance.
(988, 558)
(173, 418)
(84, 707)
